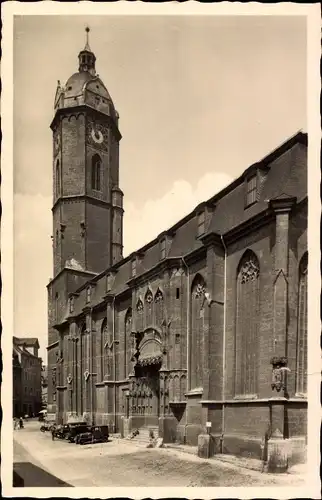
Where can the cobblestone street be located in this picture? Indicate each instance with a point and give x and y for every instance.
(122, 463)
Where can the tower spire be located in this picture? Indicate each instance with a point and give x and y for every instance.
(87, 47)
(86, 57)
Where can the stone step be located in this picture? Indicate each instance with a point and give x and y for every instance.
(144, 435)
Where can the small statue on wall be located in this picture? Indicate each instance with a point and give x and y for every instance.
(279, 373)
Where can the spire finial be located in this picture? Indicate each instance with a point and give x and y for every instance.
(87, 47)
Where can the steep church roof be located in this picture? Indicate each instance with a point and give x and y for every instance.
(284, 172)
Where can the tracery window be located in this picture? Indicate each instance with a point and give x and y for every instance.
(96, 172)
(127, 341)
(159, 304)
(148, 307)
(301, 372)
(102, 347)
(247, 320)
(198, 290)
(139, 315)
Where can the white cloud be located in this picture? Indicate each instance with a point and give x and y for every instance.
(142, 224)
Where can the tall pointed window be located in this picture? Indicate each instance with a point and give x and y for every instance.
(247, 320)
(148, 307)
(159, 305)
(301, 372)
(127, 342)
(102, 348)
(96, 173)
(197, 330)
(57, 179)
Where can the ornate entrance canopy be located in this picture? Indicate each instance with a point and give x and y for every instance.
(148, 348)
(151, 360)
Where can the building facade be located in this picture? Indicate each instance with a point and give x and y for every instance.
(26, 366)
(206, 323)
(44, 387)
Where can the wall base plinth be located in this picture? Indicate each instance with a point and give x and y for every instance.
(205, 446)
(277, 455)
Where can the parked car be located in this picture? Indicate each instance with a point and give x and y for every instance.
(97, 434)
(76, 429)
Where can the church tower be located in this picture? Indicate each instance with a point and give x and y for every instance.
(87, 201)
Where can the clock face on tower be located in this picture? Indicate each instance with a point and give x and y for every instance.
(98, 135)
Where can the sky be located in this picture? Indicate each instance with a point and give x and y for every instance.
(200, 99)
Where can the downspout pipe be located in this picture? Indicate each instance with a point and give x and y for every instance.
(224, 347)
(91, 366)
(188, 341)
(114, 356)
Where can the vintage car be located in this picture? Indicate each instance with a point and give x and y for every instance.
(75, 429)
(96, 434)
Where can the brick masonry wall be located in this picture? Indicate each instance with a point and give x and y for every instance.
(73, 154)
(98, 237)
(298, 246)
(52, 356)
(254, 421)
(297, 419)
(262, 244)
(214, 348)
(73, 243)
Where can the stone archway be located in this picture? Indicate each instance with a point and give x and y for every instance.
(145, 382)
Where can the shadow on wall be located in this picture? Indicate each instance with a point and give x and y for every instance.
(29, 475)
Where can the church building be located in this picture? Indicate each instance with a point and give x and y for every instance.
(204, 329)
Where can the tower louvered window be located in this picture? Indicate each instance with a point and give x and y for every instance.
(96, 173)
(247, 320)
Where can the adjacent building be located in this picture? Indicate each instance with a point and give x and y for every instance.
(26, 376)
(207, 323)
(44, 387)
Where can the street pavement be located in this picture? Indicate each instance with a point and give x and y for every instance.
(43, 462)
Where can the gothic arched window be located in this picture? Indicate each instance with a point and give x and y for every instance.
(57, 179)
(127, 341)
(96, 172)
(103, 348)
(56, 307)
(148, 307)
(301, 368)
(139, 315)
(198, 290)
(247, 315)
(159, 305)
